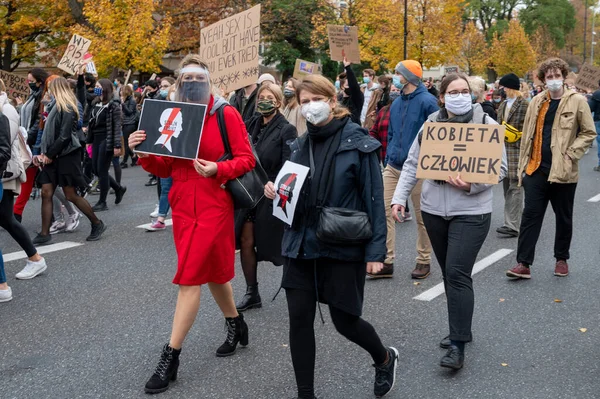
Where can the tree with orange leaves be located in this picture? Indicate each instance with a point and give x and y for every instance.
(472, 57)
(512, 52)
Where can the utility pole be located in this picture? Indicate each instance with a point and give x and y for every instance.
(593, 37)
(585, 29)
(406, 27)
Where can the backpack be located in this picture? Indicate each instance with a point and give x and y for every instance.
(24, 150)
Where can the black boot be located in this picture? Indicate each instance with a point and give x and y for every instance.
(237, 332)
(165, 372)
(251, 300)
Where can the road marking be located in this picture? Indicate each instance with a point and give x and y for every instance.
(168, 222)
(45, 249)
(595, 199)
(438, 290)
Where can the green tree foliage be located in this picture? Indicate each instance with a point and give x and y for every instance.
(555, 17)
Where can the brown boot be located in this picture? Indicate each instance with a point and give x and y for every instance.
(421, 271)
(386, 272)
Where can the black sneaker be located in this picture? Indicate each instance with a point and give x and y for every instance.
(124, 165)
(507, 231)
(152, 182)
(41, 239)
(100, 207)
(97, 230)
(453, 359)
(385, 374)
(119, 195)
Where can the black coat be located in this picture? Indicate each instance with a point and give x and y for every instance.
(273, 149)
(356, 99)
(250, 111)
(5, 143)
(130, 112)
(489, 109)
(34, 121)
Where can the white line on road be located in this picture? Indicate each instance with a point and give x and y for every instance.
(168, 222)
(595, 199)
(46, 249)
(438, 290)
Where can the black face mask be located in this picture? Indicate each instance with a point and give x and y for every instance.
(33, 86)
(196, 91)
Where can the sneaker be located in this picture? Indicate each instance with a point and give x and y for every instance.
(152, 182)
(156, 226)
(119, 194)
(97, 230)
(32, 269)
(6, 295)
(597, 168)
(73, 222)
(41, 239)
(519, 271)
(100, 207)
(561, 269)
(58, 227)
(385, 374)
(421, 271)
(386, 272)
(154, 214)
(124, 165)
(407, 217)
(507, 231)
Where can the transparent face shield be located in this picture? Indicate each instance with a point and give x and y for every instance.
(193, 85)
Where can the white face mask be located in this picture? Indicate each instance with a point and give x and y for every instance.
(554, 85)
(459, 105)
(316, 112)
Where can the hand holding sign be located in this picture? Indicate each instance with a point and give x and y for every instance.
(74, 54)
(458, 183)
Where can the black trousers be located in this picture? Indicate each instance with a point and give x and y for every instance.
(101, 161)
(127, 130)
(538, 192)
(456, 241)
(14, 228)
(302, 306)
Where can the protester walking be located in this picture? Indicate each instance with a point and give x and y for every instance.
(261, 233)
(315, 269)
(379, 131)
(457, 215)
(292, 111)
(203, 225)
(557, 130)
(372, 94)
(512, 114)
(130, 122)
(351, 95)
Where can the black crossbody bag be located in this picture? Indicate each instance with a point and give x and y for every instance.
(248, 189)
(339, 226)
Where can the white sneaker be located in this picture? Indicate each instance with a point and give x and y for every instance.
(73, 222)
(32, 269)
(154, 214)
(6, 295)
(58, 227)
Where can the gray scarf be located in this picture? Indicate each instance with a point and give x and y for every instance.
(49, 135)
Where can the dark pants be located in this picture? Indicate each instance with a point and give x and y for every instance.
(302, 306)
(101, 160)
(10, 224)
(127, 130)
(456, 241)
(538, 192)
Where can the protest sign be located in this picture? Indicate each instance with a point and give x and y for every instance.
(451, 69)
(127, 77)
(230, 48)
(343, 42)
(173, 129)
(588, 78)
(16, 86)
(288, 184)
(471, 150)
(90, 66)
(305, 68)
(73, 57)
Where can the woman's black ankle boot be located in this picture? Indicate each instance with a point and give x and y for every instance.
(237, 332)
(165, 372)
(251, 300)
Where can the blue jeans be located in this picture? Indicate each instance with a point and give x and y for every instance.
(163, 203)
(597, 123)
(2, 274)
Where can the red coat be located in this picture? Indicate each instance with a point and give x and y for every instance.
(203, 226)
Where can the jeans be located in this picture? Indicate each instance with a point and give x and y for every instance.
(456, 242)
(163, 203)
(2, 274)
(101, 160)
(513, 203)
(597, 123)
(538, 192)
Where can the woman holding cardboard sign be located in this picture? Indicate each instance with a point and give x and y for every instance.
(457, 215)
(202, 218)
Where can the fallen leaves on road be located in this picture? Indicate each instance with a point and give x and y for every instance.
(558, 300)
(416, 283)
(583, 330)
(504, 364)
(502, 299)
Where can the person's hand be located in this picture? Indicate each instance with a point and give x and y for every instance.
(374, 267)
(567, 158)
(118, 152)
(85, 129)
(395, 210)
(81, 68)
(37, 161)
(205, 168)
(136, 138)
(45, 160)
(346, 62)
(458, 183)
(270, 190)
(19, 100)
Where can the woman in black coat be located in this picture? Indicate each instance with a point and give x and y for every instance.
(130, 122)
(261, 234)
(338, 151)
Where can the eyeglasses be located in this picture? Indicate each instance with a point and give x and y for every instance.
(456, 93)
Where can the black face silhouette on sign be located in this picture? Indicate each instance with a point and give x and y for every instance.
(285, 190)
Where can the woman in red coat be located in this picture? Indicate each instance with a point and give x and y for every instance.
(203, 223)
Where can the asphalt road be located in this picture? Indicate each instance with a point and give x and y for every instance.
(93, 325)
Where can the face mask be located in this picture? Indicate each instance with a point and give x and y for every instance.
(115, 83)
(98, 91)
(195, 91)
(164, 93)
(337, 84)
(554, 85)
(135, 86)
(33, 86)
(459, 105)
(394, 95)
(316, 112)
(397, 83)
(288, 93)
(172, 96)
(266, 107)
(473, 97)
(497, 100)
(367, 80)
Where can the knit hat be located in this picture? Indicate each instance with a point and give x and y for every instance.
(266, 77)
(510, 81)
(411, 70)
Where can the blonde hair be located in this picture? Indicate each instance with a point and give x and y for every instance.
(274, 89)
(2, 85)
(65, 98)
(318, 84)
(511, 92)
(477, 85)
(192, 59)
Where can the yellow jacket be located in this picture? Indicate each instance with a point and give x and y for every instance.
(573, 132)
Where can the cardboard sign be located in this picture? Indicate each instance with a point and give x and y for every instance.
(127, 77)
(474, 151)
(588, 78)
(305, 68)
(230, 48)
(288, 184)
(73, 57)
(343, 42)
(16, 86)
(173, 129)
(451, 69)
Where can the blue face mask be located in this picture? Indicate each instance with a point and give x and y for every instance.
(497, 100)
(473, 97)
(397, 83)
(337, 84)
(367, 80)
(164, 93)
(98, 91)
(394, 95)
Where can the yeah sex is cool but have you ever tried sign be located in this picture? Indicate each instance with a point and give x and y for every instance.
(471, 150)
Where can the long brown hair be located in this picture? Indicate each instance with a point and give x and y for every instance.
(317, 84)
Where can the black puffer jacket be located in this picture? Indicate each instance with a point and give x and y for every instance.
(114, 127)
(4, 143)
(250, 111)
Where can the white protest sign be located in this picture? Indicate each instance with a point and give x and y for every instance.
(74, 54)
(287, 190)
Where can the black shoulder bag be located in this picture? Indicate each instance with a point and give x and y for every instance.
(247, 190)
(339, 226)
